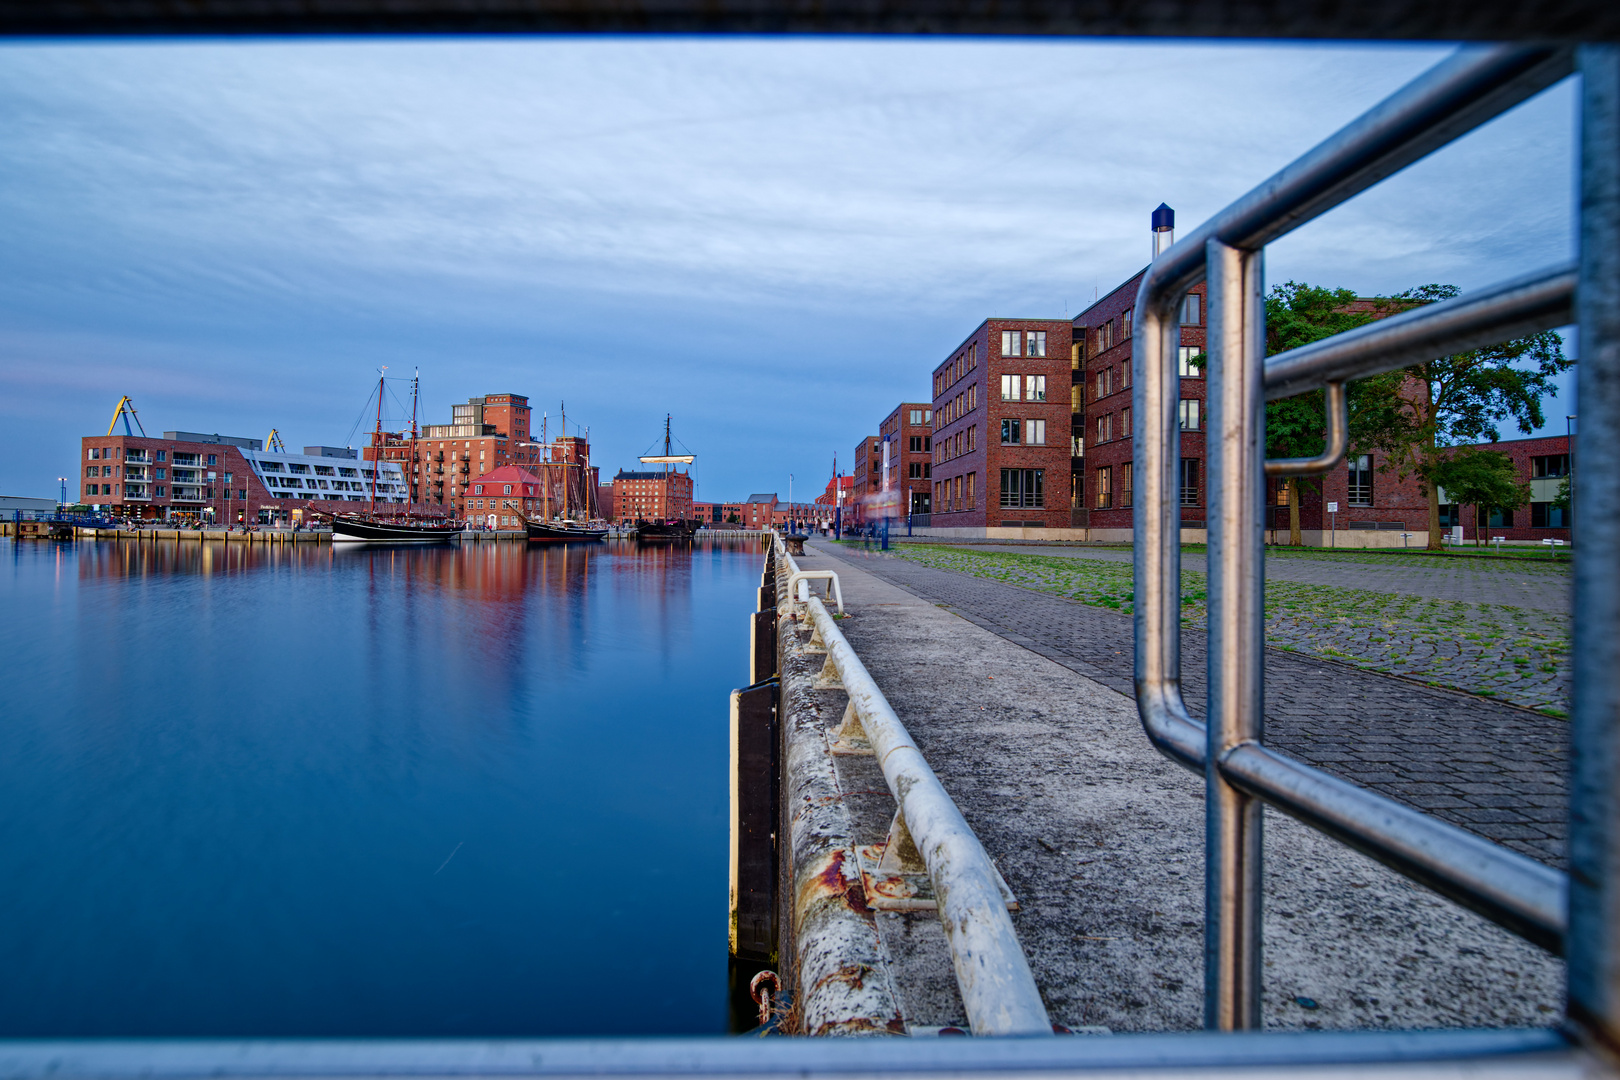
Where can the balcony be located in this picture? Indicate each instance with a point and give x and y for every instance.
(187, 494)
(137, 455)
(136, 493)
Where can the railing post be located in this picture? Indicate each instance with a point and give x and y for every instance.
(1593, 946)
(1236, 454)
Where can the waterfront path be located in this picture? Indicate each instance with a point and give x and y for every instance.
(1101, 838)
(1492, 768)
(1517, 582)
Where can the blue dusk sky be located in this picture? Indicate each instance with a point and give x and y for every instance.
(773, 239)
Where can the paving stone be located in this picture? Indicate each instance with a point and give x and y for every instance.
(1520, 752)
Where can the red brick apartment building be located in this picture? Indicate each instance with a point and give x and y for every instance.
(224, 480)
(652, 496)
(759, 510)
(1000, 452)
(1104, 484)
(908, 432)
(498, 493)
(1374, 507)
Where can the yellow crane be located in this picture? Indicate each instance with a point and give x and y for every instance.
(126, 409)
(273, 442)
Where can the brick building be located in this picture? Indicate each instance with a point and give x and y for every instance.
(651, 495)
(225, 480)
(498, 493)
(1104, 485)
(1374, 506)
(1002, 428)
(484, 434)
(759, 510)
(908, 432)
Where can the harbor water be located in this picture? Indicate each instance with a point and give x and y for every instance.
(299, 790)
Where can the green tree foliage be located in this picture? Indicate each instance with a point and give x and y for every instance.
(1298, 314)
(1481, 479)
(1418, 416)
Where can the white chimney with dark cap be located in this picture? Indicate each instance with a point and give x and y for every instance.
(1164, 228)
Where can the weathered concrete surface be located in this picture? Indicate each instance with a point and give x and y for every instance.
(1101, 840)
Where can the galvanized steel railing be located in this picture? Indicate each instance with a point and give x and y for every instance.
(1473, 86)
(992, 973)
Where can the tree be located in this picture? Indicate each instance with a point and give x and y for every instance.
(1418, 416)
(1298, 314)
(1481, 479)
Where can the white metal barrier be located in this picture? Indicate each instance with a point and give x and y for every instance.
(997, 986)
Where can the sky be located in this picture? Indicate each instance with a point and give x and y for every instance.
(775, 240)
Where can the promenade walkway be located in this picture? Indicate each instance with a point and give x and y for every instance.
(1489, 767)
(1101, 838)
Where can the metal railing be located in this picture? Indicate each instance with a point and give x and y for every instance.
(1471, 87)
(998, 989)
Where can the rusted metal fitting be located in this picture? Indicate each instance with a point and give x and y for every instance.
(764, 988)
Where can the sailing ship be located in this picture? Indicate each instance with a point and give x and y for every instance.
(547, 529)
(371, 527)
(674, 528)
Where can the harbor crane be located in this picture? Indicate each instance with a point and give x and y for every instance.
(273, 442)
(126, 409)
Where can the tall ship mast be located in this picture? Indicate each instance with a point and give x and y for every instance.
(671, 529)
(397, 527)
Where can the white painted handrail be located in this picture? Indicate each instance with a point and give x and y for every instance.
(992, 973)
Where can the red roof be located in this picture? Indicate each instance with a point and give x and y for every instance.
(508, 474)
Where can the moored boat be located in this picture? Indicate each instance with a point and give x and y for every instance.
(555, 531)
(666, 530)
(353, 528)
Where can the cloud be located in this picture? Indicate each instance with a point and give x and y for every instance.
(735, 230)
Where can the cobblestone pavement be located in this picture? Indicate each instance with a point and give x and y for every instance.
(1496, 770)
(1518, 655)
(1101, 840)
(1524, 583)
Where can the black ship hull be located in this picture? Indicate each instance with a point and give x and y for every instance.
(358, 530)
(560, 533)
(666, 530)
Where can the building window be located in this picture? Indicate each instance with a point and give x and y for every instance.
(1012, 342)
(92, 470)
(161, 491)
(1551, 465)
(1189, 481)
(1105, 336)
(1022, 488)
(1126, 321)
(972, 397)
(1125, 422)
(163, 455)
(937, 501)
(1010, 431)
(1191, 420)
(1544, 515)
(1500, 518)
(1105, 488)
(1035, 343)
(919, 470)
(1125, 375)
(1281, 498)
(1034, 387)
(1184, 361)
(1035, 432)
(972, 437)
(1361, 480)
(213, 459)
(971, 501)
(1190, 310)
(1009, 387)
(1126, 471)
(1105, 382)
(1104, 428)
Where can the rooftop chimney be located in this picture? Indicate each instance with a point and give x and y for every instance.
(1164, 228)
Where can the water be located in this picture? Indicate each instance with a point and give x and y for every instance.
(280, 791)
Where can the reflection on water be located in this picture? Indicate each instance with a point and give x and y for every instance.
(298, 790)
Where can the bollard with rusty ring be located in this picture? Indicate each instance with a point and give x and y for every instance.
(763, 994)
